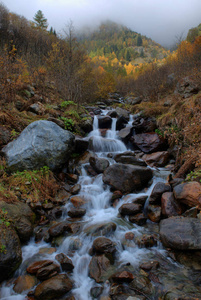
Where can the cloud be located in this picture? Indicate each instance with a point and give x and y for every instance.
(161, 20)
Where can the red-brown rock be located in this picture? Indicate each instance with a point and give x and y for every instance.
(149, 142)
(188, 193)
(169, 205)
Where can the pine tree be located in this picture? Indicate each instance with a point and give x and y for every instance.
(139, 40)
(40, 21)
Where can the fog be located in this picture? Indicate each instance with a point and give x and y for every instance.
(162, 20)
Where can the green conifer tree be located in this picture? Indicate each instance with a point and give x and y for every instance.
(40, 21)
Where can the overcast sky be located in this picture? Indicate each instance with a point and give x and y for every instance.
(161, 20)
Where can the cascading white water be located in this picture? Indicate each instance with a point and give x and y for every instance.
(99, 210)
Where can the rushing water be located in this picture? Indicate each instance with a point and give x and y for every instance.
(99, 211)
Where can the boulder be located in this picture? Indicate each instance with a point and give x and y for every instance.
(143, 125)
(123, 112)
(186, 87)
(76, 212)
(99, 164)
(42, 143)
(48, 271)
(103, 245)
(81, 145)
(98, 267)
(22, 218)
(53, 288)
(121, 122)
(58, 229)
(188, 193)
(169, 205)
(10, 251)
(101, 229)
(138, 219)
(158, 190)
(154, 213)
(130, 209)
(65, 261)
(125, 133)
(86, 125)
(146, 240)
(181, 233)
(156, 159)
(24, 283)
(126, 177)
(127, 159)
(37, 108)
(149, 142)
(122, 277)
(35, 266)
(104, 122)
(77, 201)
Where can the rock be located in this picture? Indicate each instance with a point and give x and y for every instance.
(53, 288)
(123, 112)
(186, 87)
(101, 229)
(96, 291)
(72, 177)
(47, 272)
(22, 218)
(4, 136)
(121, 123)
(129, 236)
(77, 201)
(86, 125)
(112, 114)
(142, 284)
(129, 159)
(35, 266)
(37, 108)
(144, 124)
(130, 209)
(104, 122)
(42, 143)
(103, 245)
(75, 189)
(74, 227)
(133, 100)
(157, 159)
(158, 190)
(188, 193)
(10, 251)
(154, 213)
(192, 213)
(149, 142)
(169, 206)
(59, 122)
(127, 178)
(146, 240)
(99, 164)
(58, 229)
(147, 266)
(123, 276)
(65, 261)
(125, 133)
(138, 219)
(181, 233)
(98, 267)
(24, 283)
(76, 212)
(81, 145)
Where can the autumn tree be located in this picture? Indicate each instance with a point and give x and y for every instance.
(40, 21)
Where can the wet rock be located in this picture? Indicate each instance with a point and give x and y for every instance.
(138, 219)
(96, 291)
(181, 233)
(74, 227)
(81, 145)
(53, 288)
(116, 195)
(149, 142)
(72, 177)
(158, 190)
(112, 114)
(129, 236)
(42, 143)
(121, 123)
(101, 229)
(98, 267)
(104, 122)
(154, 213)
(22, 218)
(99, 164)
(56, 213)
(130, 209)
(10, 254)
(149, 265)
(142, 284)
(47, 251)
(65, 261)
(147, 240)
(125, 133)
(58, 229)
(75, 189)
(86, 125)
(188, 193)
(75, 244)
(47, 272)
(77, 201)
(76, 212)
(123, 112)
(144, 124)
(24, 283)
(169, 205)
(123, 276)
(157, 159)
(127, 178)
(35, 266)
(104, 245)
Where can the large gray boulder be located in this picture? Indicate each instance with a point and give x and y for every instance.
(127, 178)
(181, 233)
(42, 143)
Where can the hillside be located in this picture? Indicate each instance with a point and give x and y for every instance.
(113, 41)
